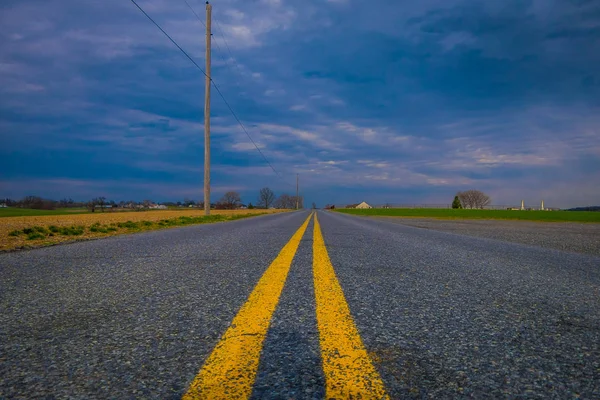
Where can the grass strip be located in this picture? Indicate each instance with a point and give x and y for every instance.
(444, 213)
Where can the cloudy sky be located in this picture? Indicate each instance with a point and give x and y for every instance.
(384, 100)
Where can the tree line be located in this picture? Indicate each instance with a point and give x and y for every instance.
(266, 199)
(231, 200)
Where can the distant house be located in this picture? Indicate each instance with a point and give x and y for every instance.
(363, 205)
(3, 205)
(352, 205)
(158, 207)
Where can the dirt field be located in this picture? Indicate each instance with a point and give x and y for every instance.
(35, 231)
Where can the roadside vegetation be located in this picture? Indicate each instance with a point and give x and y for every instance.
(36, 205)
(445, 213)
(24, 212)
(36, 231)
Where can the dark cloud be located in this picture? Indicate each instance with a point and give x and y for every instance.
(394, 101)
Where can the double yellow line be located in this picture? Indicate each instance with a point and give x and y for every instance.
(230, 370)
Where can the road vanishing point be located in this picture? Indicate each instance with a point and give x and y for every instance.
(299, 305)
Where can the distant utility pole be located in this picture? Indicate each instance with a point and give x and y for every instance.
(207, 116)
(297, 198)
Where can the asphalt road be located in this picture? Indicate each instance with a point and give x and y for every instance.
(434, 314)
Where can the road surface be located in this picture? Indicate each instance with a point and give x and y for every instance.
(289, 306)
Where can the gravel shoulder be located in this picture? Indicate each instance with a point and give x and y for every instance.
(565, 236)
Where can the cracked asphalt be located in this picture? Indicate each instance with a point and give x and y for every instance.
(442, 315)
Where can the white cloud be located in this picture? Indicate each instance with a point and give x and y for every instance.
(246, 146)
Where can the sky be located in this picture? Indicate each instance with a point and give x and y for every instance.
(384, 101)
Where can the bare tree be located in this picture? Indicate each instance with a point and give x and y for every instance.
(314, 206)
(300, 202)
(230, 200)
(266, 197)
(285, 201)
(101, 201)
(289, 202)
(473, 199)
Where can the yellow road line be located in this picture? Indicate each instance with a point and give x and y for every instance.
(230, 370)
(349, 372)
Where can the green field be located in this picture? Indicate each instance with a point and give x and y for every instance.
(445, 213)
(27, 212)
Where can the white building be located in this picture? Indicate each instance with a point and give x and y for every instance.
(363, 205)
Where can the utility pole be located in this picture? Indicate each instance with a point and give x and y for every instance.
(297, 198)
(207, 116)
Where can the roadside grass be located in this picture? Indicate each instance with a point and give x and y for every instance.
(27, 212)
(36, 236)
(445, 213)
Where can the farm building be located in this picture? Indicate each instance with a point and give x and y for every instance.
(360, 205)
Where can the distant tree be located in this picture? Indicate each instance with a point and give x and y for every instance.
(456, 202)
(250, 206)
(230, 200)
(473, 199)
(266, 197)
(101, 202)
(289, 202)
(285, 201)
(147, 203)
(314, 206)
(37, 203)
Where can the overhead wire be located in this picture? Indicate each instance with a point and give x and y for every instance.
(228, 49)
(236, 81)
(202, 22)
(213, 83)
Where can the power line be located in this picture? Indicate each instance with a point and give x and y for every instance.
(237, 84)
(202, 22)
(234, 62)
(190, 7)
(170, 38)
(214, 84)
(227, 46)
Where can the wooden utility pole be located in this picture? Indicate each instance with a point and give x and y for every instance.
(297, 198)
(207, 115)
